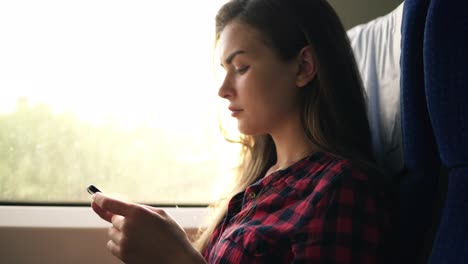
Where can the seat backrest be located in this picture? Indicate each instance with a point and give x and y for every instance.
(445, 54)
(432, 91)
(419, 182)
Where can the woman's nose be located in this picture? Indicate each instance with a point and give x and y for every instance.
(225, 90)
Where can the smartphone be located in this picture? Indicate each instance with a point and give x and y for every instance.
(92, 189)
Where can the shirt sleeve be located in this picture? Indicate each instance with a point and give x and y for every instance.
(344, 226)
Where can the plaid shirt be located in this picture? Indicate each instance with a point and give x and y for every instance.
(319, 210)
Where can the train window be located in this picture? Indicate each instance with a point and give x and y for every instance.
(120, 94)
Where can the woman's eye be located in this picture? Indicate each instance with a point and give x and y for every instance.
(242, 70)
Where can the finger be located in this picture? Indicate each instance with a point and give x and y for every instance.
(102, 213)
(115, 235)
(112, 205)
(114, 249)
(118, 222)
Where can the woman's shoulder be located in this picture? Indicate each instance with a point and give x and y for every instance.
(323, 172)
(341, 183)
(326, 167)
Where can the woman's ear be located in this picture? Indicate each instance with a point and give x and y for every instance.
(307, 68)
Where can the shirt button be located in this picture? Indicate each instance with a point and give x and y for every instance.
(252, 195)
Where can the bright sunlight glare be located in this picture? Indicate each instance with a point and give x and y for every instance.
(132, 62)
(135, 60)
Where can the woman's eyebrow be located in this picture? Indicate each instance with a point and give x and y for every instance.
(231, 57)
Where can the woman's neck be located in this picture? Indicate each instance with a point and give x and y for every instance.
(291, 145)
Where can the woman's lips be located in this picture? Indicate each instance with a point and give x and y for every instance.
(235, 111)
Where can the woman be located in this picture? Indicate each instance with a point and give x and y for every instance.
(307, 191)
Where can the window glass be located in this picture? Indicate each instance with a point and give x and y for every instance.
(120, 94)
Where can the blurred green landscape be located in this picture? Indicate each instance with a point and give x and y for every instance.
(50, 157)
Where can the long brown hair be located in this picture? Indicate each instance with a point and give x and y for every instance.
(333, 110)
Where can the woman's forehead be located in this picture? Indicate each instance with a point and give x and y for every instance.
(239, 36)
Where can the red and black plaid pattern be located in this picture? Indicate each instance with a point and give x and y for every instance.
(319, 210)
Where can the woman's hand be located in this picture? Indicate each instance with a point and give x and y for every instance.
(144, 234)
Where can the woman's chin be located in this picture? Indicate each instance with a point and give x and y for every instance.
(248, 130)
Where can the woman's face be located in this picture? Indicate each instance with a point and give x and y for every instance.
(260, 87)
